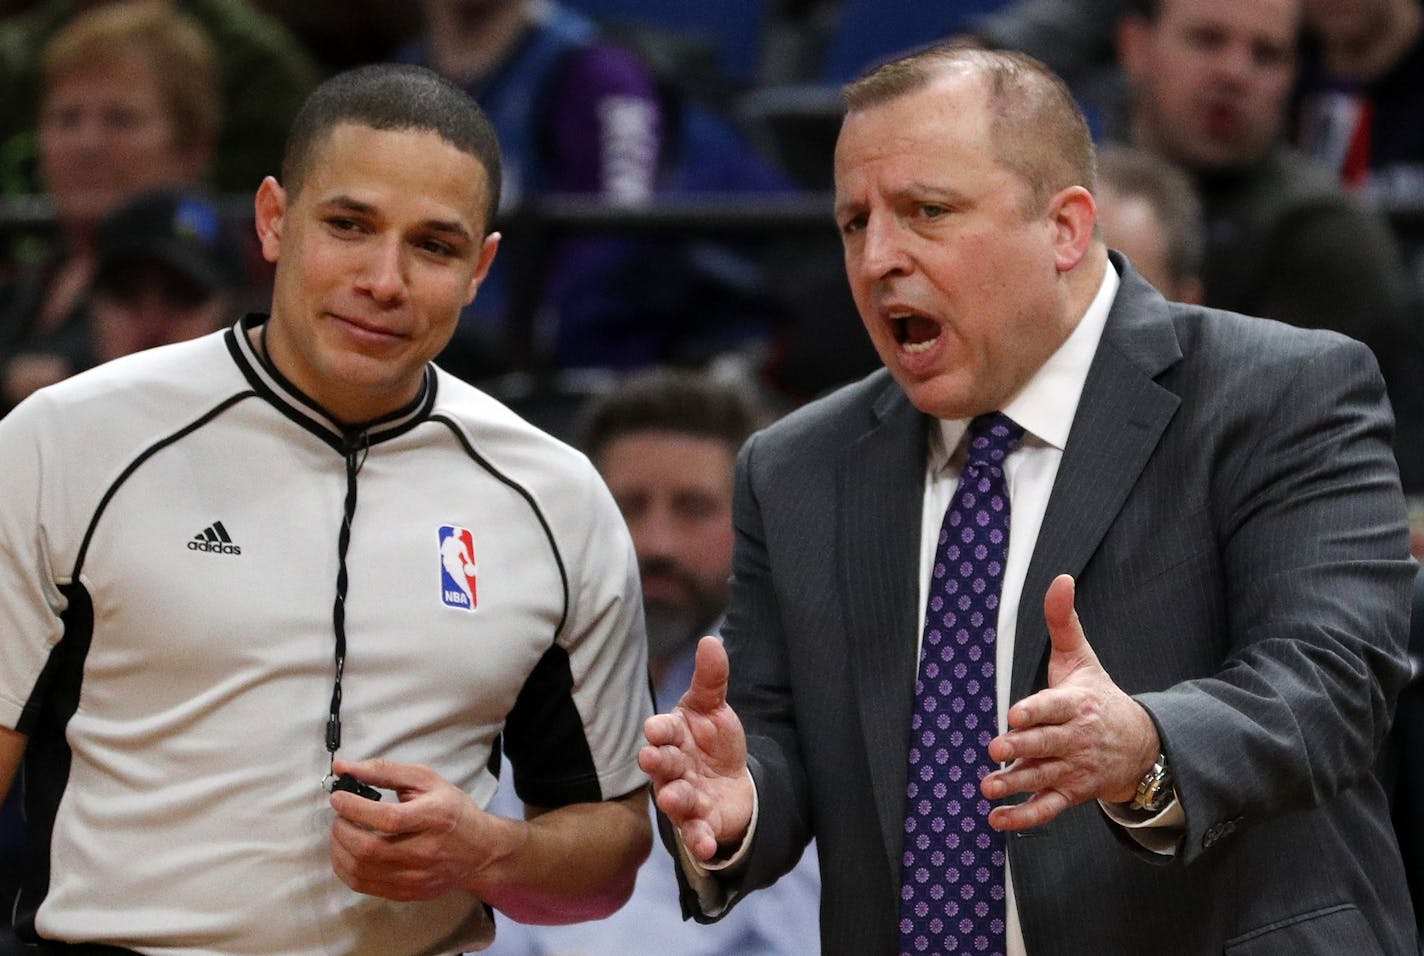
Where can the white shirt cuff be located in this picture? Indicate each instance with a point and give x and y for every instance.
(1159, 832)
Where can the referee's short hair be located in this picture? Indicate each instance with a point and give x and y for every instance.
(392, 96)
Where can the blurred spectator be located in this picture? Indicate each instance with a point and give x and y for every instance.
(1210, 84)
(540, 70)
(579, 114)
(1362, 94)
(574, 115)
(128, 102)
(168, 269)
(666, 442)
(1361, 114)
(263, 76)
(1148, 210)
(1210, 80)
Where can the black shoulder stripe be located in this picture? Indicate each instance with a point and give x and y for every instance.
(45, 717)
(133, 466)
(545, 739)
(533, 505)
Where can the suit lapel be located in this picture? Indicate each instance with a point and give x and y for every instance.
(881, 489)
(1120, 419)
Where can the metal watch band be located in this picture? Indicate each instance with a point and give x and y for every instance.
(1154, 787)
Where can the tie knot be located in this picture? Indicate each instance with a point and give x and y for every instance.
(992, 437)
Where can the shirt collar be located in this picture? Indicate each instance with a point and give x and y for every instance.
(1045, 406)
(272, 385)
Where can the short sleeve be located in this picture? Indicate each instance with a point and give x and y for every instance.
(30, 599)
(575, 731)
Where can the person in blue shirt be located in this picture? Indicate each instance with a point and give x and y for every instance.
(580, 114)
(665, 442)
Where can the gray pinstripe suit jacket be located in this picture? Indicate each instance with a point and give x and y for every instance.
(1229, 504)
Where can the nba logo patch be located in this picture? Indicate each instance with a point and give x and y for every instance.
(457, 568)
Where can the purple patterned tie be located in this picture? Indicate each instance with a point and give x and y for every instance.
(952, 878)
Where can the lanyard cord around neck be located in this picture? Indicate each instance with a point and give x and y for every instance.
(356, 445)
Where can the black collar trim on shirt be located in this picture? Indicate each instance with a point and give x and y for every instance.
(291, 401)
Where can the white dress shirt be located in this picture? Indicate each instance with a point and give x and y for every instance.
(1045, 407)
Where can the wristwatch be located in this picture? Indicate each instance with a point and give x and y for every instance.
(1154, 790)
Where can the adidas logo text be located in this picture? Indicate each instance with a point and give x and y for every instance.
(214, 539)
(216, 548)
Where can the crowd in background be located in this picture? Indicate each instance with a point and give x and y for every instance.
(619, 103)
(1267, 158)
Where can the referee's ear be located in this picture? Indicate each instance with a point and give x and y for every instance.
(270, 207)
(482, 267)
